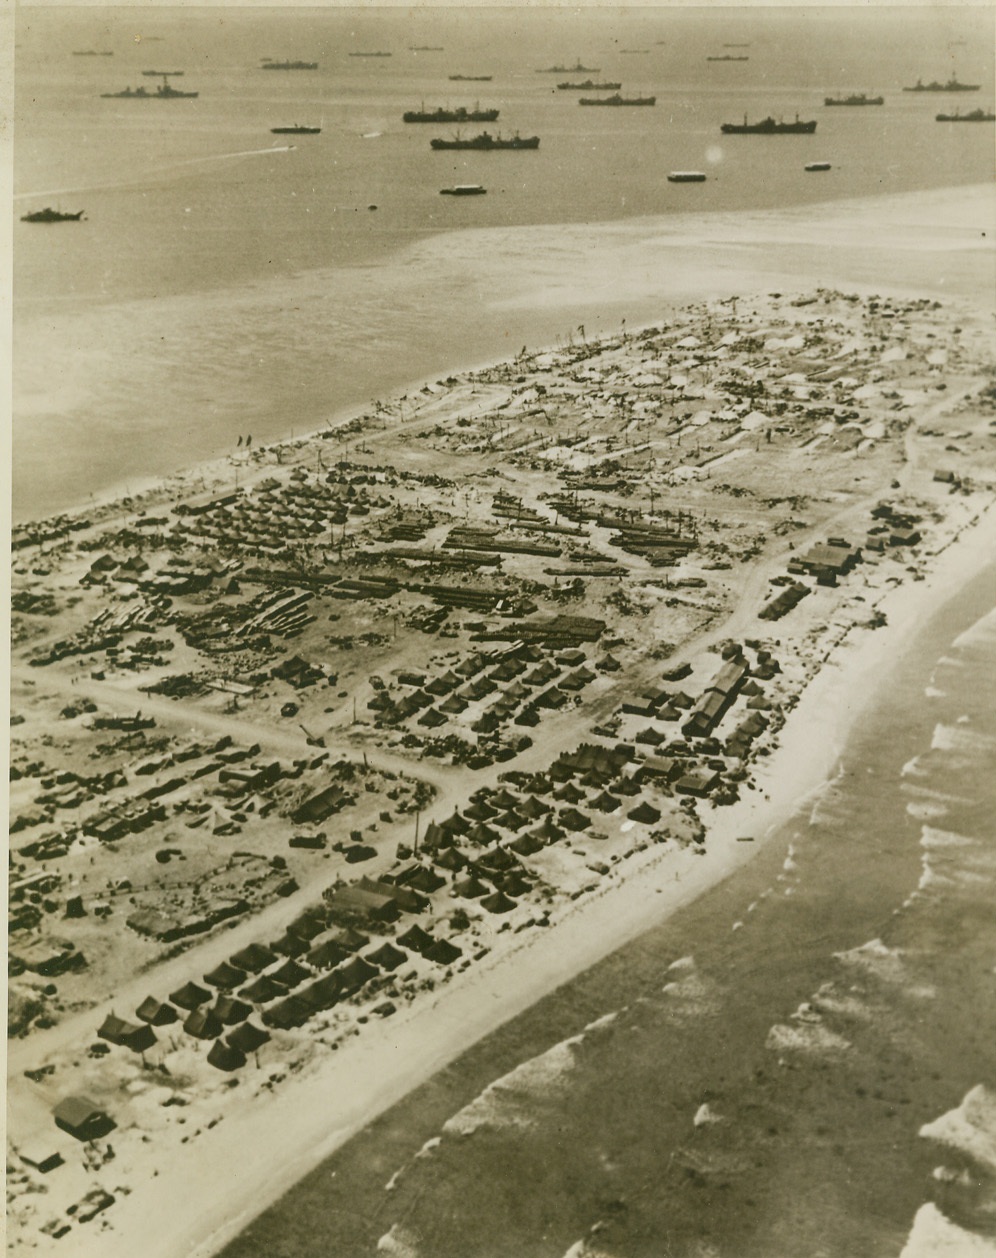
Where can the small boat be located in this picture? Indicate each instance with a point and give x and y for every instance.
(618, 100)
(727, 57)
(51, 216)
(460, 114)
(952, 85)
(977, 115)
(487, 143)
(578, 69)
(860, 99)
(768, 126)
(470, 78)
(295, 130)
(634, 52)
(288, 65)
(92, 52)
(463, 190)
(589, 85)
(424, 48)
(161, 74)
(686, 176)
(817, 166)
(371, 54)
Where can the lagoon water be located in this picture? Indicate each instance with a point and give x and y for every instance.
(227, 280)
(750, 1079)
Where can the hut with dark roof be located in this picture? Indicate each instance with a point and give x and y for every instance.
(226, 1057)
(156, 1012)
(189, 996)
(247, 1037)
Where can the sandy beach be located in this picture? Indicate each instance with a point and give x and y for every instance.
(171, 1198)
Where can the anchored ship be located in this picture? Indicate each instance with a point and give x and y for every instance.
(589, 85)
(288, 65)
(768, 127)
(977, 115)
(162, 74)
(51, 216)
(952, 85)
(686, 176)
(727, 57)
(486, 143)
(578, 69)
(859, 99)
(450, 115)
(295, 130)
(162, 92)
(618, 100)
(470, 78)
(463, 190)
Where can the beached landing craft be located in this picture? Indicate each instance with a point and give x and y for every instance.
(768, 127)
(686, 176)
(463, 190)
(49, 215)
(618, 100)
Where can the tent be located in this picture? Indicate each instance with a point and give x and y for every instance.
(203, 1025)
(225, 976)
(498, 902)
(443, 952)
(497, 859)
(247, 1037)
(351, 939)
(511, 821)
(356, 973)
(450, 859)
(526, 844)
(253, 958)
(82, 1118)
(189, 996)
(533, 809)
(226, 1057)
(470, 888)
(569, 793)
(289, 945)
(645, 813)
(513, 883)
(289, 974)
(415, 939)
(482, 835)
(230, 1010)
(155, 1012)
(606, 802)
(573, 820)
(388, 957)
(327, 955)
(262, 991)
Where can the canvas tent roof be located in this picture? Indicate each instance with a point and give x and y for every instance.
(226, 1057)
(247, 1037)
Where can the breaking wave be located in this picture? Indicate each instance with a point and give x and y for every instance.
(934, 1236)
(970, 1128)
(964, 741)
(511, 1100)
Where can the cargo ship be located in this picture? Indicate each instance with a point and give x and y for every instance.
(51, 216)
(288, 65)
(370, 54)
(977, 115)
(470, 78)
(618, 100)
(487, 143)
(162, 74)
(952, 85)
(162, 92)
(727, 57)
(768, 127)
(811, 166)
(859, 99)
(578, 69)
(463, 190)
(450, 115)
(589, 85)
(686, 176)
(295, 130)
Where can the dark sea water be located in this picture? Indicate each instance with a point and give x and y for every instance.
(224, 282)
(749, 1080)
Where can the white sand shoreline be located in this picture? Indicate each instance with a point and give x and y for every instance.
(181, 1212)
(639, 270)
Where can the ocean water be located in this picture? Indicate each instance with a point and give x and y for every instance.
(226, 282)
(802, 1062)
